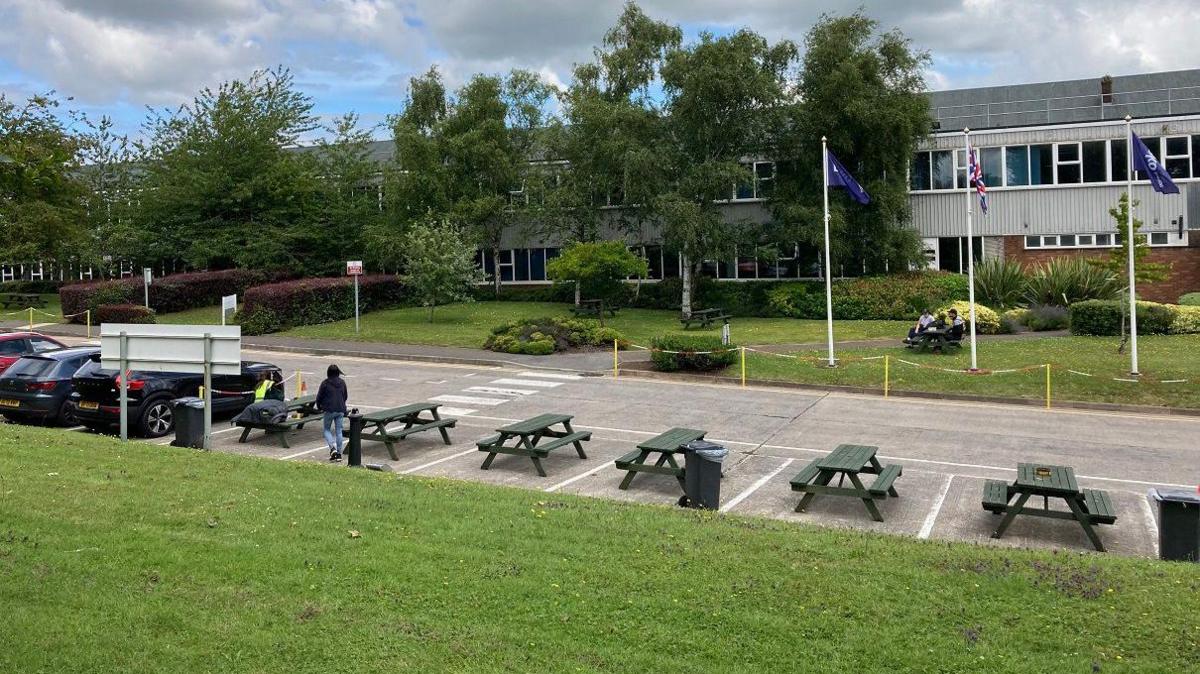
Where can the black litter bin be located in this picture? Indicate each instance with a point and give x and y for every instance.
(1178, 524)
(189, 422)
(702, 474)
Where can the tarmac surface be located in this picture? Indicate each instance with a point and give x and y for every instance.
(947, 448)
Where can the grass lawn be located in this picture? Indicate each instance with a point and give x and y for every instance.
(468, 325)
(1161, 357)
(135, 558)
(51, 313)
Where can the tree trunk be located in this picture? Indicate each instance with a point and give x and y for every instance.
(577, 292)
(496, 266)
(685, 269)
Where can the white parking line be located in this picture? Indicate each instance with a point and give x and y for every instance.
(527, 382)
(733, 502)
(1151, 522)
(501, 391)
(549, 375)
(931, 518)
(579, 477)
(307, 451)
(455, 411)
(434, 463)
(469, 400)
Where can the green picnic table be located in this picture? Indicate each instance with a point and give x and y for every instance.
(22, 300)
(936, 339)
(304, 407)
(1086, 506)
(593, 308)
(666, 445)
(375, 424)
(847, 461)
(529, 434)
(705, 317)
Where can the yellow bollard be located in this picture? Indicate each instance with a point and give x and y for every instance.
(1047, 385)
(886, 373)
(616, 369)
(89, 323)
(299, 384)
(743, 367)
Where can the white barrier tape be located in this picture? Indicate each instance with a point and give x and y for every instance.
(1081, 374)
(690, 353)
(1173, 381)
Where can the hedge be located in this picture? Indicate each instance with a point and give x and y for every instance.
(692, 353)
(279, 306)
(168, 294)
(1103, 317)
(1190, 300)
(39, 287)
(124, 313)
(542, 336)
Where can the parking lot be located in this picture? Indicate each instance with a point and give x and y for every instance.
(947, 449)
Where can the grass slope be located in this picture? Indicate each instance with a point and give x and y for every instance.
(1161, 357)
(468, 325)
(135, 558)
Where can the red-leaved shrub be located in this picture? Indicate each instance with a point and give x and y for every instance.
(168, 294)
(124, 313)
(279, 306)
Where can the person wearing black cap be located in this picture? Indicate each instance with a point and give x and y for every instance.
(331, 399)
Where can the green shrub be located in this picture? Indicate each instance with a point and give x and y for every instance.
(1187, 320)
(987, 322)
(691, 353)
(543, 336)
(1000, 283)
(1190, 300)
(797, 300)
(1064, 281)
(1042, 317)
(1103, 317)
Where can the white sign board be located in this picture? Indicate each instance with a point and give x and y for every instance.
(229, 303)
(354, 268)
(171, 348)
(148, 275)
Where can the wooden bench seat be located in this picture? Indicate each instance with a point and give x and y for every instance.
(628, 460)
(429, 425)
(545, 446)
(995, 496)
(279, 429)
(1099, 506)
(883, 482)
(806, 475)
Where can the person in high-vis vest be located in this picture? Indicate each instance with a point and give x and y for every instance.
(269, 387)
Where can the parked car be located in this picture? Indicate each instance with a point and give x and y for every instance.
(36, 387)
(96, 399)
(13, 345)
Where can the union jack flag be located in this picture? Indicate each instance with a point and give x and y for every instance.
(975, 178)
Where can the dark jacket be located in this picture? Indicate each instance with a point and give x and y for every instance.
(331, 397)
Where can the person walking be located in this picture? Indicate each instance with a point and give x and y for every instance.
(331, 400)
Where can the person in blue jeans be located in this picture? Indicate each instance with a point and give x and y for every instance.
(331, 399)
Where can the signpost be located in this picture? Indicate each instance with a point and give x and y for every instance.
(147, 278)
(355, 268)
(201, 349)
(228, 305)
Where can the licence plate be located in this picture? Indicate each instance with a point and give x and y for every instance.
(88, 405)
(9, 402)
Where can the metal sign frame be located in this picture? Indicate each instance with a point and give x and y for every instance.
(206, 349)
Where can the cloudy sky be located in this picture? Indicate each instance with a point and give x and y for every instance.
(117, 56)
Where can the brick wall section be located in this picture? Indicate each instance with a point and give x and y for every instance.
(1184, 261)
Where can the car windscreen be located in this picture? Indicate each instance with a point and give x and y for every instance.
(32, 368)
(12, 347)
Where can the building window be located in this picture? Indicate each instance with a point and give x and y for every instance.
(991, 161)
(1041, 164)
(1118, 160)
(1178, 158)
(1086, 240)
(1152, 144)
(764, 179)
(1016, 165)
(1104, 239)
(919, 177)
(943, 170)
(1069, 169)
(1066, 240)
(1095, 162)
(960, 169)
(1159, 239)
(1033, 242)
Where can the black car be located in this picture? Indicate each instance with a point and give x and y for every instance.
(36, 387)
(97, 398)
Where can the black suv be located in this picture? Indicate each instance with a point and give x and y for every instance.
(96, 401)
(36, 387)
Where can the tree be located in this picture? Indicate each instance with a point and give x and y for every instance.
(865, 92)
(725, 100)
(223, 183)
(347, 198)
(439, 264)
(110, 176)
(41, 198)
(598, 269)
(1117, 261)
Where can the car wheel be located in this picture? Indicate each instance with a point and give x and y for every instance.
(66, 415)
(157, 418)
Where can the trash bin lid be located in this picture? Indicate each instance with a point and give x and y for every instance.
(188, 401)
(707, 450)
(1171, 495)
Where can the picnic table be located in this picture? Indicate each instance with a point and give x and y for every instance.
(847, 461)
(705, 317)
(529, 435)
(375, 424)
(593, 308)
(22, 300)
(666, 445)
(305, 406)
(934, 338)
(1086, 506)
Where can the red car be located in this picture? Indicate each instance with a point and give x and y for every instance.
(13, 345)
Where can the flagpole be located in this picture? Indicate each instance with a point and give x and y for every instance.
(970, 251)
(828, 266)
(1133, 353)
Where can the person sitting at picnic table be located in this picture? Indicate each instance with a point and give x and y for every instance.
(956, 325)
(270, 387)
(923, 322)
